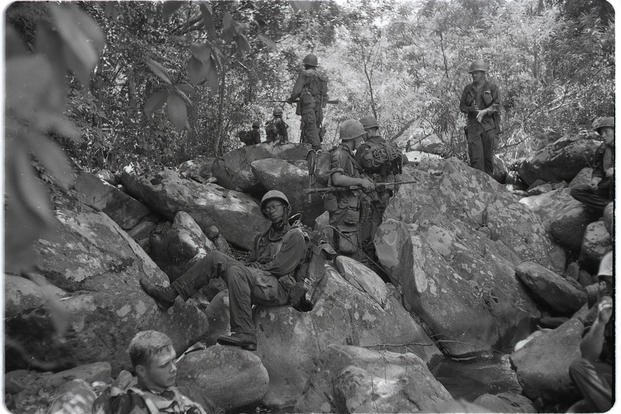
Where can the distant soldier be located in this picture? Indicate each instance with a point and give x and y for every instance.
(381, 161)
(253, 136)
(276, 128)
(480, 101)
(311, 93)
(344, 206)
(600, 191)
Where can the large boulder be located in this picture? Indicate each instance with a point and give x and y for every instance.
(291, 343)
(558, 293)
(198, 169)
(237, 215)
(277, 174)
(565, 217)
(608, 217)
(228, 376)
(363, 278)
(122, 208)
(561, 160)
(584, 177)
(94, 267)
(175, 247)
(233, 170)
(452, 242)
(596, 243)
(365, 380)
(542, 365)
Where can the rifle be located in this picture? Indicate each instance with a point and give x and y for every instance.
(331, 101)
(354, 187)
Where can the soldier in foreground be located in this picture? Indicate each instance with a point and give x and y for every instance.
(153, 358)
(382, 162)
(480, 101)
(276, 128)
(600, 191)
(344, 206)
(311, 94)
(267, 278)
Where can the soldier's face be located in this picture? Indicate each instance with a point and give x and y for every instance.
(608, 134)
(274, 210)
(161, 371)
(478, 76)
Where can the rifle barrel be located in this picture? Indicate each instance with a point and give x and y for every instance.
(354, 187)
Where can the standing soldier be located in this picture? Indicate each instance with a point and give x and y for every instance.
(381, 161)
(311, 93)
(276, 128)
(344, 206)
(480, 101)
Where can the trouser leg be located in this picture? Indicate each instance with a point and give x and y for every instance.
(214, 264)
(475, 149)
(309, 130)
(593, 199)
(593, 381)
(247, 286)
(488, 139)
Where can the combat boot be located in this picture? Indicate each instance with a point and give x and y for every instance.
(245, 341)
(164, 296)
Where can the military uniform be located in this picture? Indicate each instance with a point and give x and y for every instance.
(482, 136)
(311, 92)
(380, 161)
(344, 206)
(138, 400)
(266, 279)
(251, 137)
(596, 199)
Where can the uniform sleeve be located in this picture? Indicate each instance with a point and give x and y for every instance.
(297, 88)
(290, 255)
(337, 162)
(252, 256)
(128, 404)
(599, 167)
(465, 106)
(495, 106)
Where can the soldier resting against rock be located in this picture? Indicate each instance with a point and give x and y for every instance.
(268, 278)
(153, 358)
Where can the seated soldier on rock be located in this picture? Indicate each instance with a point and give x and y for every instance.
(253, 136)
(593, 372)
(268, 278)
(600, 191)
(153, 357)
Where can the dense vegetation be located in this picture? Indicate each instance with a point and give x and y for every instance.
(156, 84)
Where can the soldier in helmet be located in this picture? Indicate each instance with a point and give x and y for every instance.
(253, 136)
(276, 128)
(480, 101)
(311, 93)
(381, 161)
(344, 206)
(266, 278)
(600, 191)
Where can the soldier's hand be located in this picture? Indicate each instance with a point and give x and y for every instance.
(604, 309)
(481, 113)
(367, 184)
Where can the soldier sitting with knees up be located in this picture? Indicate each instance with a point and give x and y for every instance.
(268, 278)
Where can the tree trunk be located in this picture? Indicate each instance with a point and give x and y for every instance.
(217, 147)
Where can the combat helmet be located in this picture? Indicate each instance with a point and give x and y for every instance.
(351, 129)
(477, 65)
(277, 111)
(274, 195)
(603, 122)
(310, 60)
(369, 122)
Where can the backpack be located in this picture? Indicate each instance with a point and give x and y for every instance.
(379, 157)
(317, 85)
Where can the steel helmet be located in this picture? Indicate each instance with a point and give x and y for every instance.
(274, 195)
(369, 122)
(605, 266)
(351, 129)
(603, 121)
(277, 111)
(310, 60)
(256, 124)
(477, 65)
